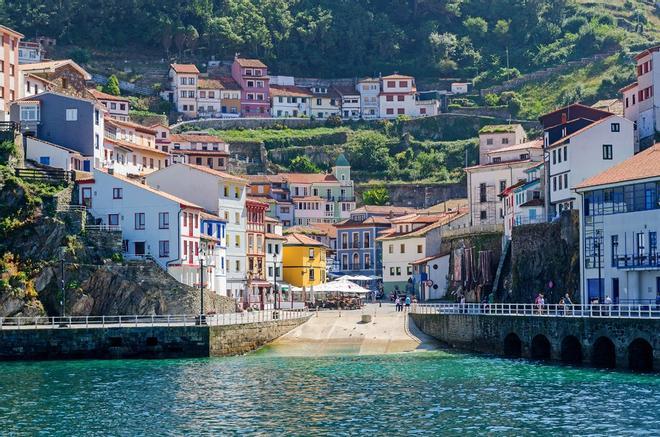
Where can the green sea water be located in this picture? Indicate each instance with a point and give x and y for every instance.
(427, 393)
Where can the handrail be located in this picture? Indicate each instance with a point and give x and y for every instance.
(615, 311)
(149, 321)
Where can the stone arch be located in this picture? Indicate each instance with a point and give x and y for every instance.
(603, 354)
(541, 348)
(512, 345)
(640, 355)
(571, 350)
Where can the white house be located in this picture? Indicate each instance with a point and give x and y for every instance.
(183, 80)
(584, 153)
(325, 102)
(350, 101)
(52, 154)
(30, 52)
(274, 243)
(218, 193)
(209, 97)
(397, 96)
(496, 136)
(153, 223)
(289, 101)
(460, 87)
(369, 89)
(411, 238)
(641, 104)
(619, 225)
(432, 271)
(213, 235)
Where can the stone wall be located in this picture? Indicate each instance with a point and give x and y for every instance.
(240, 339)
(546, 257)
(140, 342)
(125, 342)
(246, 123)
(488, 334)
(419, 195)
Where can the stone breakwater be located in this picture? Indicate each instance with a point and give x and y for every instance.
(601, 342)
(140, 341)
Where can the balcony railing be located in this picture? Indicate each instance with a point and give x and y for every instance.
(340, 198)
(637, 261)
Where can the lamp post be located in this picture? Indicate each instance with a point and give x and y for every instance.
(62, 287)
(275, 281)
(202, 253)
(600, 288)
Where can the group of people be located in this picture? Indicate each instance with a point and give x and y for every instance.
(404, 301)
(565, 303)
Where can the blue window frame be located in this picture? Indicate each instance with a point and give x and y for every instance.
(45, 160)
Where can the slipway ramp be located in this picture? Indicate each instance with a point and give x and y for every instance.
(344, 333)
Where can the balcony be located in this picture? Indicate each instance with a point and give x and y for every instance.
(339, 198)
(637, 261)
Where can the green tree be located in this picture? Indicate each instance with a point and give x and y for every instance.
(303, 164)
(112, 86)
(369, 150)
(376, 196)
(476, 27)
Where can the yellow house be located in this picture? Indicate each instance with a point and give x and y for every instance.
(303, 261)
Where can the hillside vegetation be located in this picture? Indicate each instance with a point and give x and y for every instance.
(489, 39)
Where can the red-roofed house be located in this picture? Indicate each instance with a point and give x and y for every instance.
(200, 149)
(152, 223)
(252, 76)
(117, 106)
(619, 225)
(183, 82)
(397, 96)
(289, 101)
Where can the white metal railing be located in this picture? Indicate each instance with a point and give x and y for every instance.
(635, 311)
(78, 322)
(105, 228)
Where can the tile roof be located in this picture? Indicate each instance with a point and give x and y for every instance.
(309, 178)
(644, 165)
(199, 152)
(100, 95)
(185, 68)
(271, 236)
(11, 31)
(498, 164)
(443, 220)
(629, 86)
(296, 239)
(562, 140)
(289, 90)
(133, 146)
(346, 90)
(228, 83)
(130, 124)
(384, 210)
(265, 178)
(534, 144)
(153, 190)
(210, 84)
(66, 149)
(250, 63)
(51, 66)
(397, 76)
(195, 138)
(447, 205)
(647, 51)
(213, 172)
(429, 258)
(328, 228)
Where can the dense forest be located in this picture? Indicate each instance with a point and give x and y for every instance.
(490, 39)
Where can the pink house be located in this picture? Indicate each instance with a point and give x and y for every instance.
(252, 77)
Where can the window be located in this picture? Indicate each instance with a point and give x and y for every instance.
(163, 248)
(366, 240)
(311, 253)
(554, 157)
(311, 274)
(389, 98)
(489, 141)
(72, 114)
(237, 193)
(565, 180)
(403, 248)
(565, 153)
(29, 113)
(113, 219)
(483, 215)
(409, 270)
(419, 248)
(391, 248)
(139, 220)
(400, 98)
(117, 193)
(237, 240)
(400, 111)
(505, 141)
(163, 220)
(502, 185)
(607, 151)
(482, 192)
(367, 261)
(391, 84)
(554, 184)
(398, 271)
(390, 111)
(615, 127)
(238, 265)
(391, 271)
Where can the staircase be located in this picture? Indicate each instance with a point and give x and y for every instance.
(500, 266)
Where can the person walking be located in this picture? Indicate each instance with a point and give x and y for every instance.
(397, 304)
(408, 301)
(562, 306)
(569, 303)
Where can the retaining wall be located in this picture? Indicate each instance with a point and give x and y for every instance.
(140, 341)
(488, 334)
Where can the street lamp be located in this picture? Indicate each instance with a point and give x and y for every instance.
(600, 287)
(202, 254)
